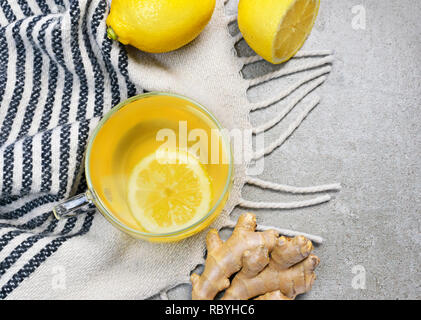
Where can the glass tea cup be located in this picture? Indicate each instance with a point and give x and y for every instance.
(129, 132)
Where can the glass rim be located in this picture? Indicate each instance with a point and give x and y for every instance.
(106, 212)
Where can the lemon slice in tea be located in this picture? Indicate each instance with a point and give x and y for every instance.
(169, 191)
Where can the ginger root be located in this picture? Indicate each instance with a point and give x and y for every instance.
(267, 266)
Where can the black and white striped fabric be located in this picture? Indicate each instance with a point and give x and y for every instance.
(59, 74)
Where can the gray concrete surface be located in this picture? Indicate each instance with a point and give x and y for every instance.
(365, 134)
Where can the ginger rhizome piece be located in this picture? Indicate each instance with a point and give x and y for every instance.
(268, 267)
(289, 270)
(226, 258)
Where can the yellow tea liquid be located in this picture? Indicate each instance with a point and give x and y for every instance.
(140, 129)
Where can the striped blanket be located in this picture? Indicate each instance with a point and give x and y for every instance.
(59, 73)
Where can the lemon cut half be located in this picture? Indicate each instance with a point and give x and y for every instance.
(276, 29)
(169, 191)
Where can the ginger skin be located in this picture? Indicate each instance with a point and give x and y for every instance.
(290, 270)
(225, 258)
(268, 267)
(274, 295)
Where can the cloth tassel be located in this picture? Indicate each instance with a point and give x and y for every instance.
(291, 189)
(290, 70)
(284, 205)
(295, 86)
(293, 126)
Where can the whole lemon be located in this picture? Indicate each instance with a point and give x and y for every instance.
(158, 25)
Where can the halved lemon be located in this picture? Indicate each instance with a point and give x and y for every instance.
(276, 29)
(169, 191)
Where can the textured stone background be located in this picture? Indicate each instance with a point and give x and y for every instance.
(366, 134)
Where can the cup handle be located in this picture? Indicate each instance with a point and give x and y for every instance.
(69, 207)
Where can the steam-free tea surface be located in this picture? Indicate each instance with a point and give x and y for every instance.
(156, 196)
